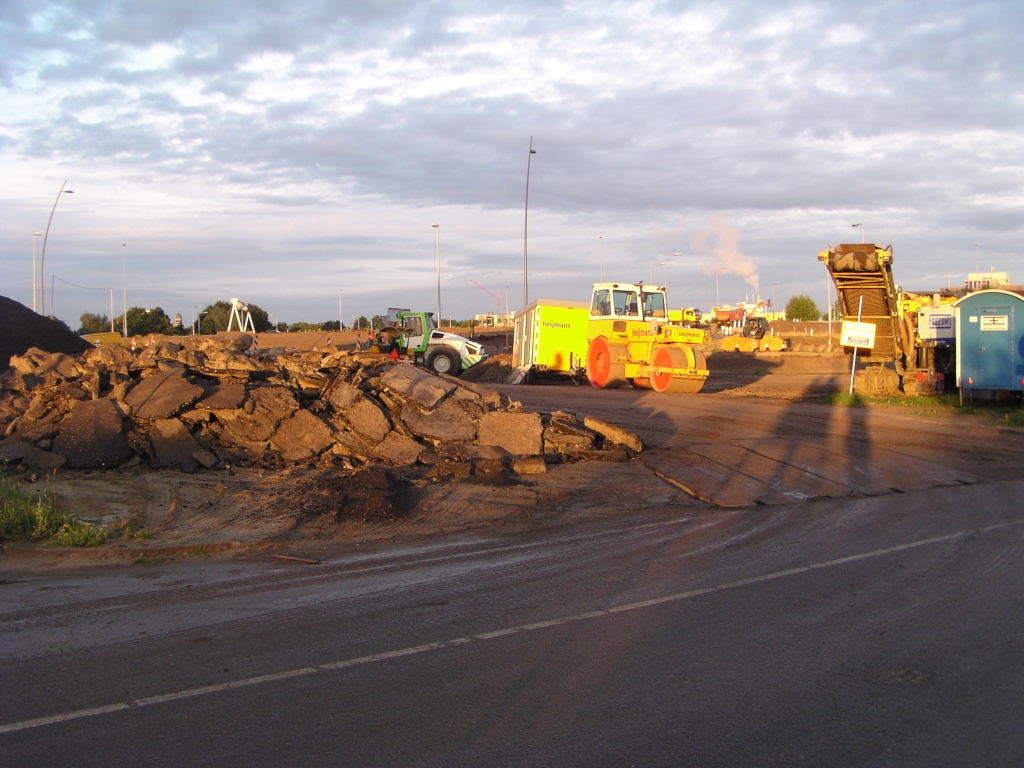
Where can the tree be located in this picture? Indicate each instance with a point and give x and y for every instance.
(142, 322)
(93, 323)
(802, 308)
(362, 323)
(215, 318)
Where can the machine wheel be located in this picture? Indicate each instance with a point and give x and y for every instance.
(662, 358)
(444, 360)
(603, 369)
(684, 358)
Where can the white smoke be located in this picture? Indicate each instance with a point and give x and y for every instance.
(719, 244)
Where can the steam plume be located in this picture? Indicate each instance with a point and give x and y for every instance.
(719, 244)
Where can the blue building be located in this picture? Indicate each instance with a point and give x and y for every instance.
(990, 341)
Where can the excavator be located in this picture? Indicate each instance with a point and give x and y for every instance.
(913, 352)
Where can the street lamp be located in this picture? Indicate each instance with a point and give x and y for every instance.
(977, 265)
(437, 240)
(861, 231)
(718, 295)
(600, 254)
(526, 219)
(42, 258)
(124, 295)
(774, 308)
(35, 289)
(340, 326)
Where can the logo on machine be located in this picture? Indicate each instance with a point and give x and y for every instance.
(940, 322)
(548, 324)
(640, 332)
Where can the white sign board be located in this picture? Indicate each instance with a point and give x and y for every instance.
(995, 322)
(853, 334)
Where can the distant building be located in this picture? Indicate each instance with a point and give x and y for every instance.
(979, 281)
(177, 320)
(491, 320)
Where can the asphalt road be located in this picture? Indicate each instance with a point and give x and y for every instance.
(877, 631)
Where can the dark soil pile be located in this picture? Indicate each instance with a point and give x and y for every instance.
(493, 370)
(21, 329)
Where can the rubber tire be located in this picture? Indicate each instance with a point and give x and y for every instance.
(602, 372)
(445, 360)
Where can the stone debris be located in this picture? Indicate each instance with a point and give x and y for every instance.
(215, 402)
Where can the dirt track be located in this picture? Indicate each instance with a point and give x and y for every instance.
(733, 451)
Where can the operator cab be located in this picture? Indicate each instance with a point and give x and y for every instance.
(627, 302)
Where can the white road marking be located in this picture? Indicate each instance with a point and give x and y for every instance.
(413, 650)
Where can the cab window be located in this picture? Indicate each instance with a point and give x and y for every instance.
(600, 305)
(624, 303)
(654, 305)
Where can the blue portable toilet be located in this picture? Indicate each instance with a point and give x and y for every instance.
(990, 341)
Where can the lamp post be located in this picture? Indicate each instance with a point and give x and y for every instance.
(862, 235)
(35, 288)
(42, 258)
(526, 219)
(977, 263)
(340, 324)
(718, 295)
(124, 295)
(112, 310)
(774, 308)
(437, 242)
(600, 255)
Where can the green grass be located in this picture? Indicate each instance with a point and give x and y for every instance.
(845, 400)
(1014, 418)
(25, 518)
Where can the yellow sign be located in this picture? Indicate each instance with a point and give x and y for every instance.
(853, 334)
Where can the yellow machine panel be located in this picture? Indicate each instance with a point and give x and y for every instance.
(551, 336)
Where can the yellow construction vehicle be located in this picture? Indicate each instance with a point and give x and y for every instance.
(914, 332)
(755, 336)
(630, 339)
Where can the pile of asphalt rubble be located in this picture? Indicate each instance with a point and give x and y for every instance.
(215, 403)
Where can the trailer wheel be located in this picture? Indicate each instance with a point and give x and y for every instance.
(603, 367)
(444, 360)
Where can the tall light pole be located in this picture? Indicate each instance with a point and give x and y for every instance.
(977, 263)
(600, 254)
(526, 229)
(774, 308)
(42, 258)
(35, 288)
(437, 243)
(718, 295)
(124, 295)
(862, 235)
(340, 325)
(112, 310)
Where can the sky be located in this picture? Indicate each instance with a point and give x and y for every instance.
(289, 152)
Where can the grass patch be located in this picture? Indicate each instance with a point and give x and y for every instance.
(26, 518)
(845, 400)
(1014, 418)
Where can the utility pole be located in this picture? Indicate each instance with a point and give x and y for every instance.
(124, 295)
(437, 240)
(526, 219)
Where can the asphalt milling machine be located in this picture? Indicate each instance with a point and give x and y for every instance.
(913, 352)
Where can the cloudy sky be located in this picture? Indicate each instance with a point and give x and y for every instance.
(281, 150)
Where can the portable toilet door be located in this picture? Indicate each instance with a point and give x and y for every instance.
(990, 343)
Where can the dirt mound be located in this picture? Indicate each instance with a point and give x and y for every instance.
(492, 370)
(22, 329)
